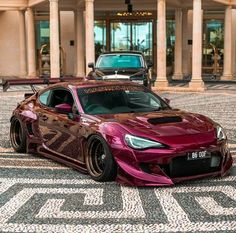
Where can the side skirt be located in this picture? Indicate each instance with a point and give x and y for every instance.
(63, 159)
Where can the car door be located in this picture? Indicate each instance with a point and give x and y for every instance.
(61, 133)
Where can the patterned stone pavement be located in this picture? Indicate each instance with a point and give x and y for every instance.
(210, 85)
(39, 195)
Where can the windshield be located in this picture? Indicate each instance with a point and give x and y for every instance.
(119, 99)
(120, 61)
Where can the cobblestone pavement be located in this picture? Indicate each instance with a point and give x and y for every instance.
(222, 85)
(39, 195)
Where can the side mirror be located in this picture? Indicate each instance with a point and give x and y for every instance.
(149, 64)
(63, 108)
(167, 101)
(91, 65)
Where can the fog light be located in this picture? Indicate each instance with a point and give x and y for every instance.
(215, 161)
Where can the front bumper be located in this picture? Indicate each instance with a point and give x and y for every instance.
(142, 80)
(166, 167)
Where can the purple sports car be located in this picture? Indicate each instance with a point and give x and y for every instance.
(119, 131)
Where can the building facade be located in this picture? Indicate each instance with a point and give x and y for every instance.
(183, 38)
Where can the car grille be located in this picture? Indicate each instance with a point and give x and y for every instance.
(181, 167)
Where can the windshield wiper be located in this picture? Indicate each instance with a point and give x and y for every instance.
(138, 73)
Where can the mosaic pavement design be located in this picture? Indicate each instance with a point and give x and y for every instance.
(39, 195)
(54, 198)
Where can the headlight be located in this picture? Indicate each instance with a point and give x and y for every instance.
(141, 143)
(220, 133)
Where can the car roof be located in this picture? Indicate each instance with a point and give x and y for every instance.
(92, 83)
(122, 52)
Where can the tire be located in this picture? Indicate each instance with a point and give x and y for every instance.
(17, 136)
(99, 161)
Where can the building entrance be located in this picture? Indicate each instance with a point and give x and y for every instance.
(43, 49)
(213, 52)
(132, 35)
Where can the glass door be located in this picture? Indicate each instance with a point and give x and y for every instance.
(128, 36)
(100, 37)
(42, 33)
(213, 48)
(121, 36)
(43, 47)
(142, 38)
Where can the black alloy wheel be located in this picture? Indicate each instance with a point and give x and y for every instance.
(99, 160)
(17, 136)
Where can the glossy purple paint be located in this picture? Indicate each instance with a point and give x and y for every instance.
(149, 167)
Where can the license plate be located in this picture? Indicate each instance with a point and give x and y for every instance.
(198, 155)
(138, 81)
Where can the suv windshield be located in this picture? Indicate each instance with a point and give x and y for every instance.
(119, 99)
(112, 61)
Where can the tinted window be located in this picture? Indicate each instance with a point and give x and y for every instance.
(61, 96)
(116, 101)
(43, 98)
(120, 61)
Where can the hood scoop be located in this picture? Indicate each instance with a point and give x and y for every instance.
(164, 120)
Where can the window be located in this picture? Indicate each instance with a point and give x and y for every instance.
(43, 98)
(120, 61)
(170, 43)
(143, 99)
(42, 33)
(132, 35)
(100, 36)
(116, 100)
(213, 47)
(55, 97)
(60, 96)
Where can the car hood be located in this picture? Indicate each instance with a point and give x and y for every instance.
(162, 124)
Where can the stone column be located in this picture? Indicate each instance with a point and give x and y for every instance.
(54, 39)
(80, 43)
(196, 82)
(89, 33)
(227, 73)
(31, 44)
(22, 41)
(187, 27)
(234, 43)
(178, 72)
(161, 45)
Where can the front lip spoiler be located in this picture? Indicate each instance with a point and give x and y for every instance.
(132, 176)
(129, 175)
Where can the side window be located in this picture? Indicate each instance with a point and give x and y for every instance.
(43, 98)
(61, 96)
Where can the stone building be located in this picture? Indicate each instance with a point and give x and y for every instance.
(183, 38)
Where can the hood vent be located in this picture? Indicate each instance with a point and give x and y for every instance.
(164, 120)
